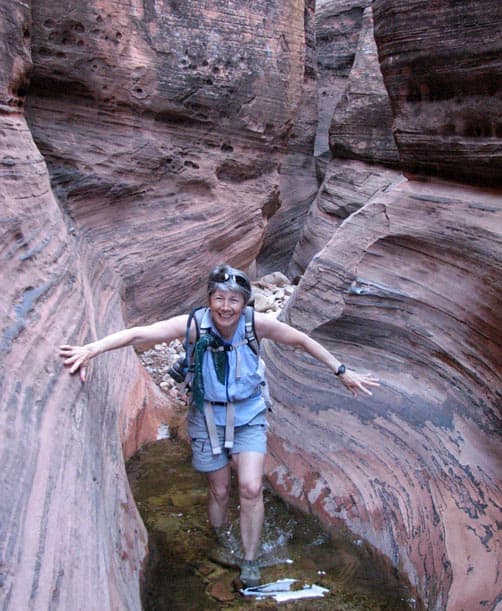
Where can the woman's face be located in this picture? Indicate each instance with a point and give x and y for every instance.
(226, 309)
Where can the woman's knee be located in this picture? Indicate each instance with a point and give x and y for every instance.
(219, 490)
(251, 489)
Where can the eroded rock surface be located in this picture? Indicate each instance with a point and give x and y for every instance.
(407, 288)
(298, 181)
(70, 532)
(348, 185)
(160, 131)
(443, 70)
(362, 122)
(338, 28)
(162, 128)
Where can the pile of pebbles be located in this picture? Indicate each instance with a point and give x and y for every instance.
(270, 293)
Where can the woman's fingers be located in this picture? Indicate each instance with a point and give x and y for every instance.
(360, 382)
(76, 358)
(76, 365)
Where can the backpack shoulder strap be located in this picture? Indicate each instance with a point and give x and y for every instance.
(251, 338)
(196, 315)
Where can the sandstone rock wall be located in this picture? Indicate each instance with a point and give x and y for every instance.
(361, 129)
(416, 469)
(298, 182)
(151, 150)
(70, 532)
(443, 70)
(163, 129)
(337, 28)
(154, 143)
(402, 277)
(362, 123)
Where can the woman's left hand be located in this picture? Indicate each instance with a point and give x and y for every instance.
(358, 382)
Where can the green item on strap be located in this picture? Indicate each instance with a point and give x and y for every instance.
(219, 360)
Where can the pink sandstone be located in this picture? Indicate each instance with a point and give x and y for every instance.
(141, 141)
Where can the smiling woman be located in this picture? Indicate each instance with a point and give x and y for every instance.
(227, 416)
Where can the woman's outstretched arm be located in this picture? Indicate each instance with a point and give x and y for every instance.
(270, 328)
(77, 357)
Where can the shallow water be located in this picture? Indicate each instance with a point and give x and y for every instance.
(171, 497)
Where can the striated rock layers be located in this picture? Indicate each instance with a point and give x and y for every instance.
(70, 533)
(360, 130)
(163, 128)
(408, 287)
(443, 70)
(153, 147)
(403, 278)
(298, 181)
(338, 26)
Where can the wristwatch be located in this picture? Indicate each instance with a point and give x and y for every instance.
(341, 369)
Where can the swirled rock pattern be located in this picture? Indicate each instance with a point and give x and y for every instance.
(347, 186)
(153, 146)
(170, 117)
(70, 532)
(408, 288)
(403, 278)
(151, 150)
(361, 129)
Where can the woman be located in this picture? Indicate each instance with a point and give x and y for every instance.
(226, 422)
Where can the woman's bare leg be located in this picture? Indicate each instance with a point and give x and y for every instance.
(250, 468)
(219, 496)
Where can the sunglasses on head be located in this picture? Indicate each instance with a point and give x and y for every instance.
(222, 277)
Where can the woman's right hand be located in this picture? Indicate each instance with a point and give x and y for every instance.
(76, 358)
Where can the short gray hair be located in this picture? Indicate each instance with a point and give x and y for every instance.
(226, 278)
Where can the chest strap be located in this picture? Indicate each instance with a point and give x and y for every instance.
(229, 348)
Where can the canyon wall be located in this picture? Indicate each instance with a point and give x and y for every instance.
(400, 263)
(171, 117)
(144, 142)
(407, 288)
(71, 536)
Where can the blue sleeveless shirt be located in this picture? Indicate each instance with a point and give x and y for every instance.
(245, 377)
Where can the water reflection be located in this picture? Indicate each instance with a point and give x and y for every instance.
(171, 497)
